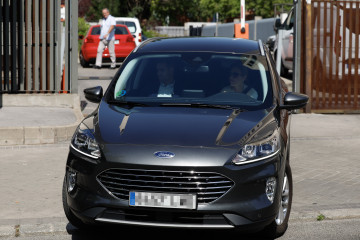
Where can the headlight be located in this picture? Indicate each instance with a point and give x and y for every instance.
(259, 150)
(84, 142)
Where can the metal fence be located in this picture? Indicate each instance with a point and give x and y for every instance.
(171, 31)
(258, 29)
(331, 57)
(32, 57)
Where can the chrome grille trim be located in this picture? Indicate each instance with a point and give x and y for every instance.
(139, 223)
(208, 186)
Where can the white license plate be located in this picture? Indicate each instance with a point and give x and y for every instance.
(162, 200)
(116, 42)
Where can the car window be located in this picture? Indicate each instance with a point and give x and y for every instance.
(121, 31)
(208, 78)
(289, 21)
(95, 31)
(131, 25)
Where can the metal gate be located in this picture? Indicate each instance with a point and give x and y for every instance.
(330, 55)
(38, 53)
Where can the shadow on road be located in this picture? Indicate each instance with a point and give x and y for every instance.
(117, 232)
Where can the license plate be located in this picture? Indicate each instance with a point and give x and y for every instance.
(162, 200)
(117, 42)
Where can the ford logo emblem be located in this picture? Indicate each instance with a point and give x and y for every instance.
(163, 154)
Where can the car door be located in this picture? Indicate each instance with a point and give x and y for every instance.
(288, 41)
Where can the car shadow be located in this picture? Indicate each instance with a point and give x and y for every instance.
(116, 232)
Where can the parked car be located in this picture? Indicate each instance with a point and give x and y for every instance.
(201, 155)
(287, 55)
(124, 44)
(270, 42)
(134, 26)
(333, 55)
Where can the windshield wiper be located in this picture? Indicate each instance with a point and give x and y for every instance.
(201, 105)
(127, 103)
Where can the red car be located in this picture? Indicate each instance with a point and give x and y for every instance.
(124, 44)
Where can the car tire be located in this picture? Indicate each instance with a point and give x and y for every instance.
(69, 215)
(83, 63)
(280, 224)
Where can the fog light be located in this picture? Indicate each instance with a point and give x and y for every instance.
(71, 180)
(270, 188)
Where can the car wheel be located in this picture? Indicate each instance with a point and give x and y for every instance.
(69, 215)
(278, 227)
(83, 63)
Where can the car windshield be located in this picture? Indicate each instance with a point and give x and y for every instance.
(221, 79)
(131, 25)
(118, 31)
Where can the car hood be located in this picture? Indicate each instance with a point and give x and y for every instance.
(174, 129)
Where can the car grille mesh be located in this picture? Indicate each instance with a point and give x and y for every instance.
(207, 186)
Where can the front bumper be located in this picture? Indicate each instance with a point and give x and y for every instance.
(245, 205)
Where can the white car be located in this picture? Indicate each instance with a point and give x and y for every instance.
(334, 45)
(133, 25)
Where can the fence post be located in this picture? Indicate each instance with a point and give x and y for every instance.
(308, 55)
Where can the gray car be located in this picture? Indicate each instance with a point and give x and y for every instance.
(191, 133)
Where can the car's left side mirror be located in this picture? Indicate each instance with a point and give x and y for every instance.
(294, 101)
(278, 25)
(94, 94)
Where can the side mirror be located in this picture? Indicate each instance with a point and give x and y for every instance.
(277, 25)
(94, 94)
(81, 37)
(294, 101)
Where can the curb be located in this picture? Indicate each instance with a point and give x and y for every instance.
(40, 134)
(60, 225)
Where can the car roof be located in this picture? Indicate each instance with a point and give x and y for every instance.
(200, 44)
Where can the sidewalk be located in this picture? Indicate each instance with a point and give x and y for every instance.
(38, 119)
(324, 160)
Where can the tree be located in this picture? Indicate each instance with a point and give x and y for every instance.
(265, 8)
(230, 9)
(175, 12)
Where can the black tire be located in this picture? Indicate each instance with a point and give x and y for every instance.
(83, 63)
(275, 230)
(69, 215)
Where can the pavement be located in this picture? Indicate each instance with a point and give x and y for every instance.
(34, 142)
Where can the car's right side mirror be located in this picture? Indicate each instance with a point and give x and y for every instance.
(294, 101)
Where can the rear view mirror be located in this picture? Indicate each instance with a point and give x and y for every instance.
(94, 94)
(294, 101)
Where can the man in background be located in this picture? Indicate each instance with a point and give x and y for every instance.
(107, 39)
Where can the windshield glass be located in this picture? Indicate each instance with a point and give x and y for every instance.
(195, 78)
(131, 25)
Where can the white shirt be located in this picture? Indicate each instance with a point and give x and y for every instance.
(166, 90)
(105, 26)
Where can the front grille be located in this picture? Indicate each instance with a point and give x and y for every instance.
(207, 186)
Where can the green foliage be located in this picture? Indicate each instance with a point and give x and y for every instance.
(119, 8)
(83, 27)
(116, 8)
(265, 8)
(152, 33)
(229, 9)
(175, 12)
(320, 217)
(226, 8)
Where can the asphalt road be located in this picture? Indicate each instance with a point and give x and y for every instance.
(347, 229)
